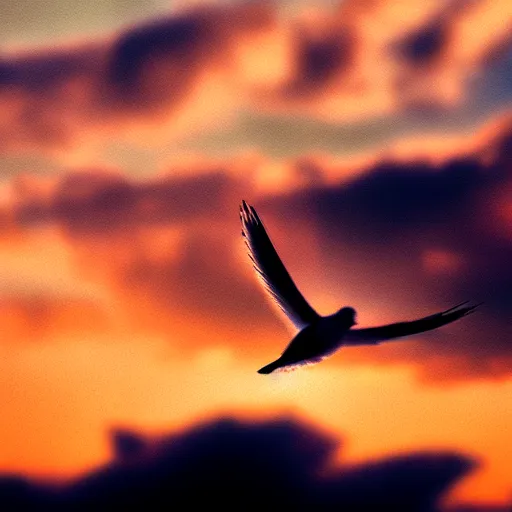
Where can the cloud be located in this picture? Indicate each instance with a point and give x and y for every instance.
(362, 63)
(416, 232)
(160, 61)
(148, 70)
(200, 67)
(228, 463)
(415, 235)
(164, 250)
(427, 43)
(443, 52)
(320, 58)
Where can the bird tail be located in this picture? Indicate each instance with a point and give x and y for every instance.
(270, 367)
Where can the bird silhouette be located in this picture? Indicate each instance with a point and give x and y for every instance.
(320, 336)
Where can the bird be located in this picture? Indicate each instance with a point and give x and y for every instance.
(320, 336)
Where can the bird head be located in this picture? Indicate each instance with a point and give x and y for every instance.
(347, 316)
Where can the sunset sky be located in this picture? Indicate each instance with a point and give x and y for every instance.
(374, 137)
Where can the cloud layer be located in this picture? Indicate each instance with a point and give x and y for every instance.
(202, 65)
(398, 240)
(415, 232)
(230, 464)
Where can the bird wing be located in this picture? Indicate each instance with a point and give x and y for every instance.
(272, 272)
(375, 335)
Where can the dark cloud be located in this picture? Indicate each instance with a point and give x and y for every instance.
(431, 56)
(36, 74)
(416, 233)
(427, 43)
(157, 65)
(171, 241)
(232, 465)
(320, 59)
(148, 68)
(101, 201)
(178, 38)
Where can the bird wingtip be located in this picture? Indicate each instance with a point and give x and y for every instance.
(245, 208)
(248, 214)
(464, 308)
(244, 211)
(472, 309)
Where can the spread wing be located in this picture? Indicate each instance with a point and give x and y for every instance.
(271, 270)
(375, 335)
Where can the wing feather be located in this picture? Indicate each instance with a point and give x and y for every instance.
(271, 270)
(375, 335)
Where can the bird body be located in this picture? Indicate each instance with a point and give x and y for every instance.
(314, 342)
(320, 336)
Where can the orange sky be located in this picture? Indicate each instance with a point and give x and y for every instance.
(65, 385)
(380, 165)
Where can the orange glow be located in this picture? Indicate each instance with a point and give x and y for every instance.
(439, 261)
(62, 397)
(126, 294)
(477, 42)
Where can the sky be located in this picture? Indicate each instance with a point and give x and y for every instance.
(374, 137)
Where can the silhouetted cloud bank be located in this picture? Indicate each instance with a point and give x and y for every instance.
(233, 465)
